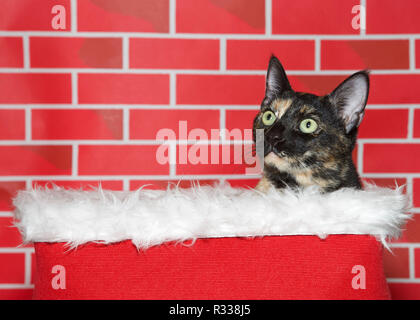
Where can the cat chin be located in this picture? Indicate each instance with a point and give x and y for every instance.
(276, 160)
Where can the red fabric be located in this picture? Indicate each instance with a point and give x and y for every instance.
(286, 267)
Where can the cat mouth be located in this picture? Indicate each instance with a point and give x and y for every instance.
(272, 149)
(280, 154)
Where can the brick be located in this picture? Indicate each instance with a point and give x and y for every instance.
(16, 294)
(120, 160)
(255, 54)
(35, 88)
(384, 88)
(74, 52)
(9, 235)
(8, 190)
(364, 54)
(220, 16)
(387, 123)
(396, 264)
(387, 16)
(123, 15)
(395, 88)
(80, 184)
(12, 124)
(33, 267)
(216, 166)
(417, 50)
(309, 17)
(391, 158)
(144, 124)
(11, 55)
(411, 231)
(354, 156)
(318, 84)
(405, 291)
(220, 89)
(164, 184)
(174, 53)
(76, 124)
(124, 88)
(417, 262)
(416, 131)
(25, 15)
(35, 160)
(12, 268)
(240, 119)
(416, 192)
(243, 183)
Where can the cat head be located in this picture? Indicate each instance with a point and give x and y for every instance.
(309, 134)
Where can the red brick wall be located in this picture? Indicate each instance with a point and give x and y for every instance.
(82, 105)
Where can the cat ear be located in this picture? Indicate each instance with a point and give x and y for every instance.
(276, 80)
(350, 99)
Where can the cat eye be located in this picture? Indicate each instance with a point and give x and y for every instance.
(308, 126)
(268, 118)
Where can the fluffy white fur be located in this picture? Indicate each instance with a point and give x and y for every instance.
(151, 217)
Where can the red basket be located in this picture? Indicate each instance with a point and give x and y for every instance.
(273, 267)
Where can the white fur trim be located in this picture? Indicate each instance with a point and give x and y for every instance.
(151, 217)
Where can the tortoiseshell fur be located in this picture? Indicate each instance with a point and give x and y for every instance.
(296, 159)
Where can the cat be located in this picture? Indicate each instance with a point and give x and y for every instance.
(309, 139)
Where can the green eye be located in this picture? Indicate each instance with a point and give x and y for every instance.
(268, 118)
(308, 126)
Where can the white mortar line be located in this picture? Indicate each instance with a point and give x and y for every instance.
(125, 53)
(16, 286)
(126, 184)
(391, 175)
(126, 124)
(405, 245)
(412, 53)
(268, 17)
(403, 280)
(172, 159)
(172, 17)
(28, 124)
(317, 54)
(73, 8)
(135, 106)
(390, 141)
(411, 261)
(74, 88)
(16, 250)
(131, 177)
(28, 267)
(146, 142)
(391, 106)
(6, 214)
(206, 72)
(409, 188)
(172, 89)
(181, 106)
(363, 17)
(222, 125)
(223, 54)
(410, 129)
(104, 34)
(28, 184)
(26, 53)
(74, 160)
